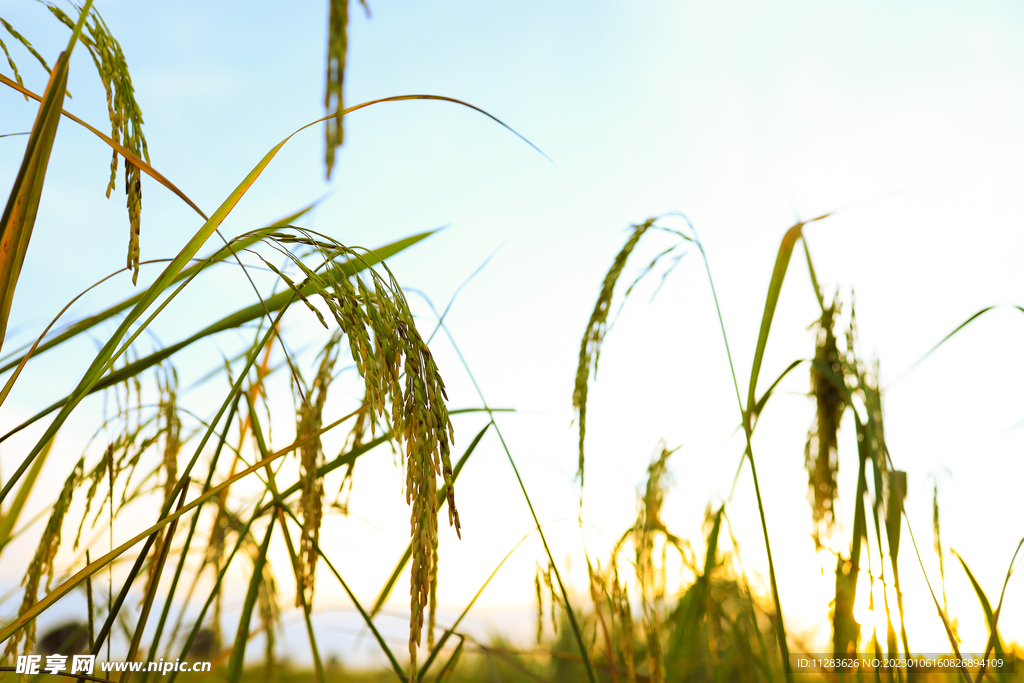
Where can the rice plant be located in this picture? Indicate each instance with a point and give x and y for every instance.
(685, 646)
(403, 397)
(228, 486)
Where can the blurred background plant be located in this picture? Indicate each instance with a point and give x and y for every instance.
(253, 482)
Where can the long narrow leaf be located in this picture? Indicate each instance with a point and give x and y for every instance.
(19, 215)
(774, 290)
(999, 609)
(237, 319)
(11, 516)
(986, 606)
(772, 300)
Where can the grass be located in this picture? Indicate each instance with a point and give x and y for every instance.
(227, 490)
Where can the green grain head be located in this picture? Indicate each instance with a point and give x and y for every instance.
(402, 382)
(309, 422)
(597, 326)
(124, 114)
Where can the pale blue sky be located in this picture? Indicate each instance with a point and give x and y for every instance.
(742, 114)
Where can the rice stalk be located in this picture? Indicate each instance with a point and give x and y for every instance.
(384, 342)
(845, 629)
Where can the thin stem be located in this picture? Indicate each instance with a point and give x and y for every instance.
(745, 414)
(573, 622)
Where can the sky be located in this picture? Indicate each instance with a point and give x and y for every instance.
(902, 119)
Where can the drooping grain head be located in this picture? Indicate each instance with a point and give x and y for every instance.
(95, 477)
(42, 563)
(309, 421)
(337, 49)
(28, 46)
(648, 524)
(172, 431)
(649, 519)
(124, 114)
(540, 605)
(170, 427)
(545, 575)
(399, 373)
(401, 381)
(590, 346)
(433, 600)
(820, 453)
(355, 439)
